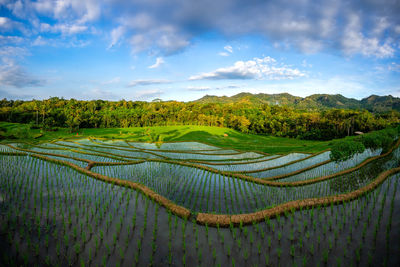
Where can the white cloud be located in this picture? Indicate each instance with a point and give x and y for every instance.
(112, 81)
(309, 26)
(18, 8)
(13, 75)
(82, 11)
(9, 25)
(13, 52)
(198, 88)
(39, 41)
(147, 82)
(305, 64)
(165, 39)
(98, 93)
(140, 21)
(381, 24)
(394, 67)
(228, 48)
(353, 41)
(5, 23)
(347, 86)
(148, 94)
(116, 35)
(10, 39)
(149, 34)
(397, 29)
(309, 46)
(258, 68)
(65, 29)
(159, 62)
(171, 41)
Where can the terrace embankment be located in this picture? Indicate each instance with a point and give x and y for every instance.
(223, 220)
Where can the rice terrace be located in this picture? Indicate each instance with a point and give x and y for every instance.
(95, 201)
(226, 133)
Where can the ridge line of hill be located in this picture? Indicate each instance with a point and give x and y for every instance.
(372, 103)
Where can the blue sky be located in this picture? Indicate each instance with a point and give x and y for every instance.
(185, 49)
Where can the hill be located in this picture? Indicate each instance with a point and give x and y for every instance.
(372, 103)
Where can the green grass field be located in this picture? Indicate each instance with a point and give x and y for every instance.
(222, 137)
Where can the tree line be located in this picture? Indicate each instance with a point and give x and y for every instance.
(242, 116)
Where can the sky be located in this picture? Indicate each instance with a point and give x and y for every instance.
(185, 49)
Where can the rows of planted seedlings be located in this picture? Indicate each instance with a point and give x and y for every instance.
(128, 153)
(223, 162)
(43, 145)
(131, 152)
(176, 150)
(273, 162)
(203, 191)
(192, 188)
(218, 155)
(99, 157)
(104, 224)
(299, 165)
(77, 154)
(325, 169)
(79, 163)
(189, 146)
(333, 167)
(107, 142)
(4, 148)
(52, 215)
(188, 156)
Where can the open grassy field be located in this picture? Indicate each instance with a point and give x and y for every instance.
(212, 135)
(121, 202)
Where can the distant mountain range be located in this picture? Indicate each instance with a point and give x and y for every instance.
(372, 103)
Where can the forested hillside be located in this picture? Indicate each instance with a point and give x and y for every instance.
(372, 103)
(278, 120)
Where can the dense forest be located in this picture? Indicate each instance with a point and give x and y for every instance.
(243, 116)
(373, 103)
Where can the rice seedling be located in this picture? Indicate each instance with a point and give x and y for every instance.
(89, 220)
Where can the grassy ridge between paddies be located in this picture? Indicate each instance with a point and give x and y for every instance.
(216, 136)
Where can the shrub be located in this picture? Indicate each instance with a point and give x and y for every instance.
(386, 141)
(382, 139)
(19, 133)
(318, 134)
(345, 149)
(372, 141)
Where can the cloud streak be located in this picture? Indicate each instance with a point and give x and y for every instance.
(148, 94)
(198, 88)
(13, 75)
(135, 83)
(159, 62)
